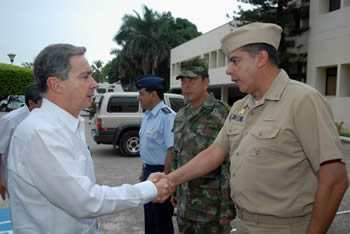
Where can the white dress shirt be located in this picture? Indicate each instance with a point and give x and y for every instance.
(53, 185)
(8, 124)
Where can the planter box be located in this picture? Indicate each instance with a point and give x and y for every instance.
(345, 141)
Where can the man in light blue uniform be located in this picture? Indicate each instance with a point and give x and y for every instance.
(156, 145)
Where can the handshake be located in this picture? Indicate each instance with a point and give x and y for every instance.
(164, 185)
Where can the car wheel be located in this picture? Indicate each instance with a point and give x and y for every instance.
(130, 143)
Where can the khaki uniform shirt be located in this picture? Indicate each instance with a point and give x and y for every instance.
(276, 147)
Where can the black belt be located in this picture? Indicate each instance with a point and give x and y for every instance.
(154, 166)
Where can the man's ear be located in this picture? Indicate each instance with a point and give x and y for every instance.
(53, 83)
(207, 82)
(262, 58)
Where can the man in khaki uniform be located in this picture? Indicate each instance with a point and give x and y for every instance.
(287, 174)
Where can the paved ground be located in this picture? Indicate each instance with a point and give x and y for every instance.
(113, 169)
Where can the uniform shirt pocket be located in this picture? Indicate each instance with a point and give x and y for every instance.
(264, 142)
(265, 132)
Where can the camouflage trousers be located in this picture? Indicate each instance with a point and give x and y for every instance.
(187, 226)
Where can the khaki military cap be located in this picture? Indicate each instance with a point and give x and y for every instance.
(251, 33)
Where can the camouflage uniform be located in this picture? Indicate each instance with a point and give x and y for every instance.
(206, 199)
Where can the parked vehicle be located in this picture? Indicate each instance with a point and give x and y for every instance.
(118, 119)
(15, 102)
(4, 102)
(107, 88)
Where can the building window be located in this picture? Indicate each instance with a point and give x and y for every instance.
(346, 3)
(334, 5)
(213, 60)
(221, 59)
(344, 80)
(331, 81)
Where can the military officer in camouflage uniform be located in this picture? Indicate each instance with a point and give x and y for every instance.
(204, 204)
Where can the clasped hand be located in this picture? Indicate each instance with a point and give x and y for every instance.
(164, 186)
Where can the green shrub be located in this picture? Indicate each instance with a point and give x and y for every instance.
(14, 79)
(341, 130)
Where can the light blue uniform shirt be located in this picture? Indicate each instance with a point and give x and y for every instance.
(156, 136)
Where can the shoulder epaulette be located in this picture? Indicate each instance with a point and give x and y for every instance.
(227, 106)
(166, 110)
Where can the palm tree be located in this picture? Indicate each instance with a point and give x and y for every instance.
(144, 39)
(97, 73)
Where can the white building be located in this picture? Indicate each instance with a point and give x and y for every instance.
(328, 63)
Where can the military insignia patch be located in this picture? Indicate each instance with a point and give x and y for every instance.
(268, 119)
(241, 112)
(236, 117)
(166, 110)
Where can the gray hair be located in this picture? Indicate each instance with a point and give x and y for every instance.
(54, 60)
(254, 48)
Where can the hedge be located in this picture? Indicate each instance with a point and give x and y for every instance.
(14, 79)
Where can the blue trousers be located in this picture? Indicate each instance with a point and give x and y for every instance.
(158, 217)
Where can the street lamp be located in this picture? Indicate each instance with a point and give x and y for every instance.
(12, 57)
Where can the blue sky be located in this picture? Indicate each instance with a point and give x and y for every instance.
(27, 26)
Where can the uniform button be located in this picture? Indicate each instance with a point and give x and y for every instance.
(257, 151)
(237, 153)
(251, 113)
(245, 133)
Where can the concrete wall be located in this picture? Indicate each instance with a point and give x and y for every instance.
(207, 46)
(329, 46)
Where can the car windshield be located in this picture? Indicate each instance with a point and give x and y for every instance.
(20, 98)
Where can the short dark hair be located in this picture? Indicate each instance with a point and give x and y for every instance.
(254, 48)
(204, 75)
(54, 60)
(32, 93)
(160, 91)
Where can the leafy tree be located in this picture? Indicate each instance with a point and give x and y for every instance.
(27, 65)
(287, 14)
(181, 30)
(146, 41)
(97, 73)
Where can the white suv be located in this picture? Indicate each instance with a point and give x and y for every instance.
(118, 120)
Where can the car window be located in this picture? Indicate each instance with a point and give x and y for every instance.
(176, 103)
(99, 104)
(101, 90)
(123, 104)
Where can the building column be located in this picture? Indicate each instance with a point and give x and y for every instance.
(224, 94)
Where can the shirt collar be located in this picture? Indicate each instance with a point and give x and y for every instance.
(208, 102)
(64, 116)
(277, 87)
(26, 109)
(275, 90)
(156, 109)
